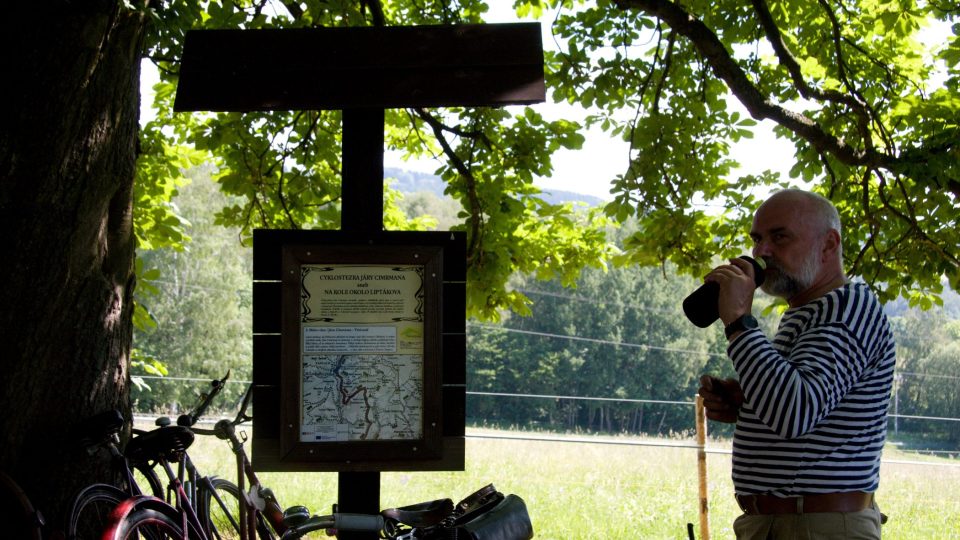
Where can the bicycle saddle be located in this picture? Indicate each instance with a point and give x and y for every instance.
(422, 514)
(477, 503)
(95, 429)
(167, 444)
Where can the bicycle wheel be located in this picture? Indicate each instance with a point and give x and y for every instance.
(147, 479)
(17, 514)
(220, 511)
(90, 512)
(146, 518)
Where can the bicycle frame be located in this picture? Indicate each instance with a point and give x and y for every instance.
(249, 505)
(182, 506)
(272, 510)
(189, 522)
(159, 446)
(101, 433)
(248, 511)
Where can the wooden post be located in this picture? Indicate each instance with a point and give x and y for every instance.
(702, 469)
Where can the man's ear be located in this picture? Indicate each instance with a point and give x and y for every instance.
(831, 244)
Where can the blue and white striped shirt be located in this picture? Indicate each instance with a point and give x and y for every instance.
(814, 415)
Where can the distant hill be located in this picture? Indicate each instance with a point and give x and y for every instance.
(414, 181)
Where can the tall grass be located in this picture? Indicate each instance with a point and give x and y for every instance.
(611, 491)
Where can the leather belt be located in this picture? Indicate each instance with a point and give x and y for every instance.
(853, 501)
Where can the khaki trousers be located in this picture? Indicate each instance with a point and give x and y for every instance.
(862, 525)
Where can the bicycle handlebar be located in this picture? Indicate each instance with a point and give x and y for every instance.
(189, 419)
(242, 415)
(339, 521)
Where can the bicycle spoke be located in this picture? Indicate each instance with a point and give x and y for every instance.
(220, 511)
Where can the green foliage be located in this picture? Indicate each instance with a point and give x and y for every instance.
(619, 334)
(157, 222)
(284, 167)
(873, 121)
(442, 211)
(928, 353)
(199, 303)
(877, 134)
(874, 126)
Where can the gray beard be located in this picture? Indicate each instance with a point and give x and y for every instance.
(787, 285)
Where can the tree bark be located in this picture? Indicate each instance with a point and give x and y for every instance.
(67, 164)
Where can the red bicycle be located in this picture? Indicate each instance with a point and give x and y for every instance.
(18, 515)
(147, 516)
(92, 505)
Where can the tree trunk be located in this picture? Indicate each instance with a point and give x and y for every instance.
(67, 163)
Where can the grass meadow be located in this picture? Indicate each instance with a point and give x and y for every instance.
(576, 489)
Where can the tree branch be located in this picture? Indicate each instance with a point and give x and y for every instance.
(667, 62)
(726, 69)
(293, 8)
(476, 207)
(376, 11)
(789, 62)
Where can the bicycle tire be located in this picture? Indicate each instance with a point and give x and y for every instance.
(17, 514)
(148, 473)
(90, 510)
(220, 510)
(148, 518)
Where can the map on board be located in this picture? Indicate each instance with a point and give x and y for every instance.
(350, 397)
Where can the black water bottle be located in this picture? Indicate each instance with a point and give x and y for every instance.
(701, 306)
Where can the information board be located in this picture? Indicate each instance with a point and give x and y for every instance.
(362, 352)
(361, 338)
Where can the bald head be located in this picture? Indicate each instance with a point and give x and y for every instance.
(812, 211)
(798, 234)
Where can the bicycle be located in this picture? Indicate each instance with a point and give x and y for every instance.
(187, 511)
(92, 505)
(155, 518)
(149, 516)
(19, 517)
(226, 509)
(486, 513)
(230, 510)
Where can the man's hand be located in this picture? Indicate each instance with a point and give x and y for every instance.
(721, 398)
(737, 286)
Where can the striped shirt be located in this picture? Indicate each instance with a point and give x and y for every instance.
(814, 415)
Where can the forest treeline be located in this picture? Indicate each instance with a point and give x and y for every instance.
(619, 335)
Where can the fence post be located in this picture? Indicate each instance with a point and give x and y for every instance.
(702, 468)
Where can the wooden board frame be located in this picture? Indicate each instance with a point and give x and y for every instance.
(271, 376)
(468, 65)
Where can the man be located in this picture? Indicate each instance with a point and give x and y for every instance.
(810, 405)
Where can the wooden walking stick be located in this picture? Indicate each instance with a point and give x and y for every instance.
(702, 468)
